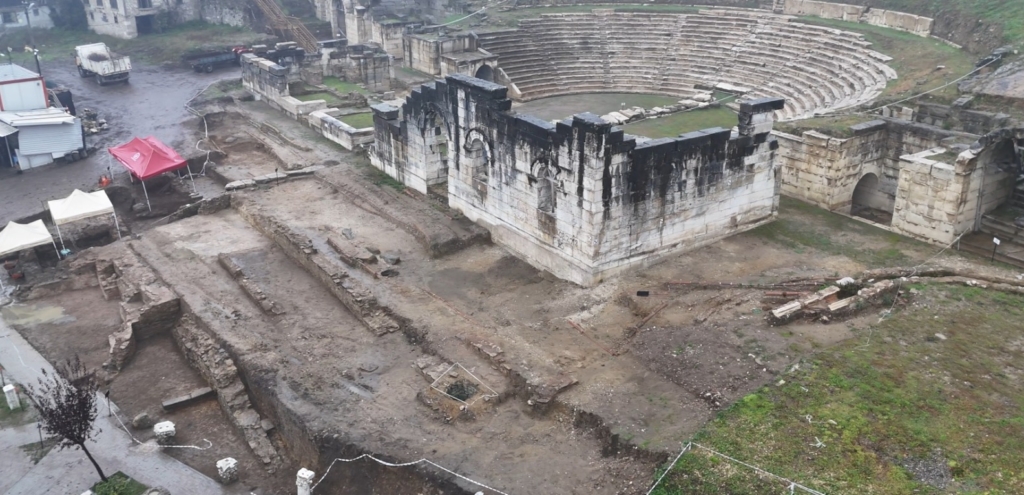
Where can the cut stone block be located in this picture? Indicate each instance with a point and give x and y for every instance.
(187, 399)
(164, 432)
(227, 470)
(12, 397)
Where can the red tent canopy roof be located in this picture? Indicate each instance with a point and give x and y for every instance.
(147, 157)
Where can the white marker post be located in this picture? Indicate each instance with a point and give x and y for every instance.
(304, 481)
(996, 242)
(12, 397)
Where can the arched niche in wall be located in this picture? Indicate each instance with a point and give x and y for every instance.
(477, 152)
(485, 72)
(544, 178)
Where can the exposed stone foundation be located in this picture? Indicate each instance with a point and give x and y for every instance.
(351, 293)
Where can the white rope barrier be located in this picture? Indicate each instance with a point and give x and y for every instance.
(406, 464)
(136, 440)
(669, 468)
(791, 485)
(206, 127)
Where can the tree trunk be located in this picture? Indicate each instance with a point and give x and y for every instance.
(97, 466)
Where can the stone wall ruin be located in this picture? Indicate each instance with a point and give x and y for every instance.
(917, 173)
(579, 198)
(919, 25)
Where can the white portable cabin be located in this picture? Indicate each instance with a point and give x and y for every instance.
(44, 135)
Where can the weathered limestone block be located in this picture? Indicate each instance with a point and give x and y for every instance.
(227, 470)
(164, 432)
(304, 481)
(142, 421)
(11, 395)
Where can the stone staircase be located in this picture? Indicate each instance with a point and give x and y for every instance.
(287, 26)
(1011, 237)
(815, 68)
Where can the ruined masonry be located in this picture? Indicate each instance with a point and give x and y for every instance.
(580, 198)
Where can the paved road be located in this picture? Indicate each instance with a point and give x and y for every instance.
(151, 105)
(69, 471)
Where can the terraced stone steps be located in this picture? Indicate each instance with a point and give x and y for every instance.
(817, 69)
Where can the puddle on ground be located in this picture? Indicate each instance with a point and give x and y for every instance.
(30, 315)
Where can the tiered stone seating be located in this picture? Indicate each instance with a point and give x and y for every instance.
(817, 69)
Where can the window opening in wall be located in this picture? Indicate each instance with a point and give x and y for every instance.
(115, 19)
(144, 24)
(35, 12)
(1001, 194)
(9, 18)
(105, 18)
(145, 4)
(92, 17)
(113, 4)
(485, 72)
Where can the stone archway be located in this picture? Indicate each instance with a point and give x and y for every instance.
(1001, 161)
(485, 72)
(870, 202)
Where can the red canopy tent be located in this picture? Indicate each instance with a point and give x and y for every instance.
(148, 157)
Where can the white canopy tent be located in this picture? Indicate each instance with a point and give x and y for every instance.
(81, 205)
(16, 237)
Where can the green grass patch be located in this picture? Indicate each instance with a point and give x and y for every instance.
(560, 107)
(21, 416)
(343, 87)
(883, 406)
(165, 47)
(119, 484)
(838, 127)
(805, 228)
(679, 123)
(916, 59)
(1007, 13)
(511, 18)
(378, 177)
(327, 97)
(358, 120)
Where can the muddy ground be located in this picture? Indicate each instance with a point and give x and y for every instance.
(152, 104)
(78, 322)
(637, 375)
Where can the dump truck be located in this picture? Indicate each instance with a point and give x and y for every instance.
(96, 60)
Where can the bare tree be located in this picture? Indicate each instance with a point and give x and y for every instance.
(67, 404)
